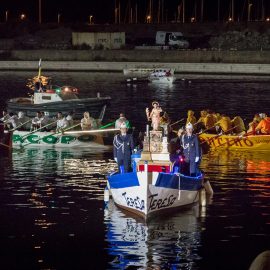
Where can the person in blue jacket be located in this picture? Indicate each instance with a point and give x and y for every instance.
(123, 146)
(191, 151)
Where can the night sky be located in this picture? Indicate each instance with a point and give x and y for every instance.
(103, 10)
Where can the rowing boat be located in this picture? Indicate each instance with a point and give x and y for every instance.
(234, 142)
(65, 140)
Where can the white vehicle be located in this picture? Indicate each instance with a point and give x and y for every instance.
(172, 39)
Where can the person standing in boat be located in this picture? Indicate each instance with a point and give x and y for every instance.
(191, 151)
(62, 122)
(70, 119)
(23, 121)
(154, 116)
(36, 122)
(12, 121)
(5, 116)
(123, 146)
(122, 119)
(87, 121)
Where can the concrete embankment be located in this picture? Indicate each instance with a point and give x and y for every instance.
(214, 68)
(226, 62)
(146, 55)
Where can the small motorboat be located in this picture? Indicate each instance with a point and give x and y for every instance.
(54, 99)
(144, 72)
(155, 185)
(162, 76)
(236, 142)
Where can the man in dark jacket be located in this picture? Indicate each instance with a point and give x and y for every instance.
(191, 150)
(123, 146)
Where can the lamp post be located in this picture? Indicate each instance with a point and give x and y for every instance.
(6, 15)
(232, 4)
(249, 11)
(91, 19)
(39, 12)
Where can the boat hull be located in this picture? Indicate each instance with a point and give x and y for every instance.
(49, 139)
(79, 106)
(145, 194)
(231, 142)
(162, 80)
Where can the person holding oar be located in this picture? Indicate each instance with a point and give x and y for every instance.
(62, 122)
(207, 121)
(224, 124)
(5, 116)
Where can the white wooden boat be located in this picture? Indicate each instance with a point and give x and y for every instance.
(156, 185)
(146, 193)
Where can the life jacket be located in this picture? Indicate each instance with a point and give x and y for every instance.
(264, 126)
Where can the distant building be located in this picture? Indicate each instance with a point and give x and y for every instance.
(106, 40)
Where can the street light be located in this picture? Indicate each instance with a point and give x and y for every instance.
(249, 11)
(6, 15)
(22, 16)
(148, 19)
(39, 12)
(91, 19)
(58, 18)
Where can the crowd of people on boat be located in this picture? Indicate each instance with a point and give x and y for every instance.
(216, 123)
(44, 122)
(184, 141)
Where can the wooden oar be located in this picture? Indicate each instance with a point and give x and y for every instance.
(239, 137)
(205, 129)
(60, 132)
(181, 120)
(21, 125)
(217, 136)
(107, 125)
(32, 132)
(5, 145)
(91, 131)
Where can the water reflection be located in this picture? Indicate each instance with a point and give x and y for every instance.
(253, 166)
(170, 242)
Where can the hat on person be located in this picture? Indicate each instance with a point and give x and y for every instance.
(189, 125)
(262, 115)
(123, 125)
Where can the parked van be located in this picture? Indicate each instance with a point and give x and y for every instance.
(172, 39)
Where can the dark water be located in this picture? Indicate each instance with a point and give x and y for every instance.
(51, 201)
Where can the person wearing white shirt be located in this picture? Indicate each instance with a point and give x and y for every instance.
(62, 122)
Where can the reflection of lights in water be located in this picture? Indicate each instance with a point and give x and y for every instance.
(69, 167)
(172, 240)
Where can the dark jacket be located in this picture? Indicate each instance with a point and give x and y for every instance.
(191, 150)
(123, 146)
